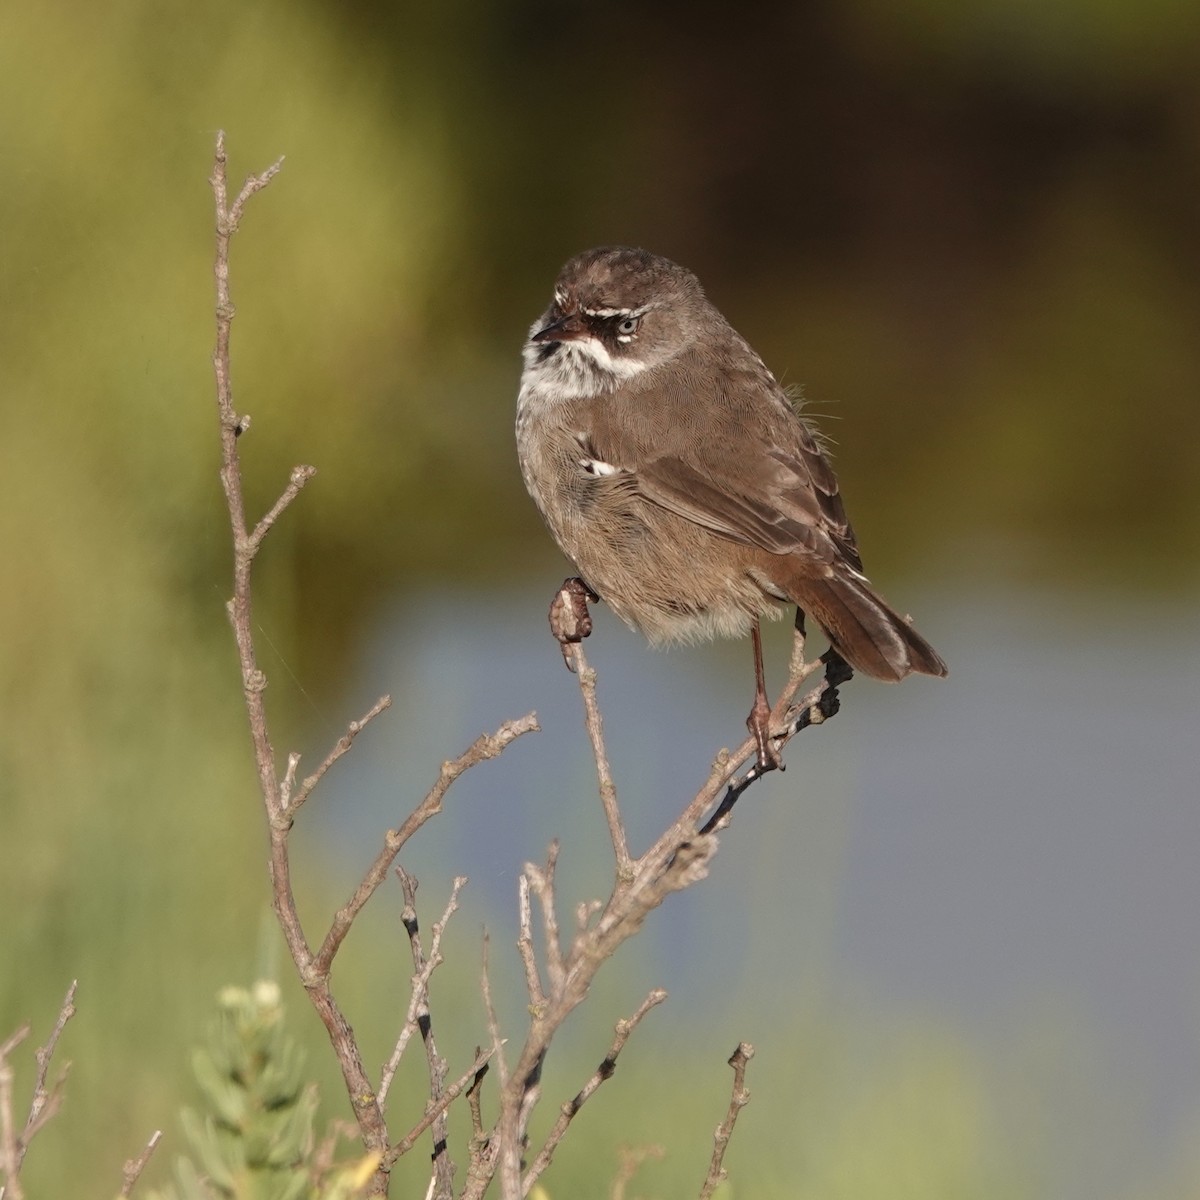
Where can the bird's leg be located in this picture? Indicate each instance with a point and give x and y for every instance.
(570, 620)
(759, 720)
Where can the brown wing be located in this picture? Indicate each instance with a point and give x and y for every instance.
(731, 454)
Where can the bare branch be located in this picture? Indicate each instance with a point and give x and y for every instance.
(44, 1102)
(439, 1106)
(604, 1071)
(474, 1102)
(300, 476)
(420, 1017)
(10, 1153)
(737, 1101)
(595, 729)
(484, 747)
(342, 745)
(418, 1004)
(542, 883)
(533, 982)
(679, 858)
(240, 607)
(47, 1100)
(135, 1166)
(485, 986)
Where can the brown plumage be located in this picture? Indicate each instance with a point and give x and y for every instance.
(677, 475)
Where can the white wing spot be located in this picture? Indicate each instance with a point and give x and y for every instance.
(595, 466)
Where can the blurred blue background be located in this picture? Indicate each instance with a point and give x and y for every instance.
(960, 927)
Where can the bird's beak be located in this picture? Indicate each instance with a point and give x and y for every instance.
(567, 328)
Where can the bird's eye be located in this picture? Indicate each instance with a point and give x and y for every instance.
(629, 326)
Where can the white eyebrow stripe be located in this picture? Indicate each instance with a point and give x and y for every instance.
(608, 311)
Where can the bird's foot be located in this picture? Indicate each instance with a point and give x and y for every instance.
(759, 724)
(570, 621)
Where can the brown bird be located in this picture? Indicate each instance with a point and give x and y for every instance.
(680, 479)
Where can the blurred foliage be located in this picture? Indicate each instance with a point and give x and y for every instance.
(968, 230)
(255, 1139)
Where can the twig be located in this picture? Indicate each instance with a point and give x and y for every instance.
(817, 706)
(44, 1103)
(299, 477)
(542, 882)
(135, 1166)
(417, 1015)
(533, 982)
(474, 1103)
(246, 545)
(439, 1106)
(487, 745)
(485, 985)
(47, 1100)
(282, 799)
(10, 1156)
(342, 745)
(595, 729)
(737, 1101)
(483, 1148)
(679, 858)
(604, 1071)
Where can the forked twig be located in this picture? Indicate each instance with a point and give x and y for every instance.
(340, 747)
(439, 1106)
(487, 745)
(282, 799)
(676, 860)
(417, 1016)
(44, 1102)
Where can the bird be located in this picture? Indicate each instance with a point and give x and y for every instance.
(683, 481)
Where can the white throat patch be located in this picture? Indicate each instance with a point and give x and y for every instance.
(577, 369)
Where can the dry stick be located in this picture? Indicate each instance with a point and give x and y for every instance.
(474, 1103)
(483, 1148)
(47, 1100)
(313, 970)
(485, 985)
(135, 1166)
(420, 1017)
(417, 1015)
(608, 791)
(737, 1101)
(679, 858)
(44, 1103)
(246, 545)
(341, 747)
(533, 982)
(439, 1106)
(487, 745)
(10, 1160)
(634, 895)
(542, 883)
(604, 1071)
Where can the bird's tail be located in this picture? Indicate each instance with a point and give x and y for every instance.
(865, 631)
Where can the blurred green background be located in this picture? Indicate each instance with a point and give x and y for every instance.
(968, 230)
